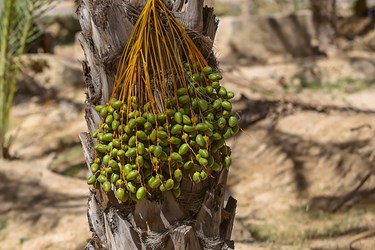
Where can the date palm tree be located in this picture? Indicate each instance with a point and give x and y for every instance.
(199, 220)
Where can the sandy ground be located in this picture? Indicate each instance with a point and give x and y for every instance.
(287, 173)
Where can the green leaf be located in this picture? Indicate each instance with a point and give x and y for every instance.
(19, 26)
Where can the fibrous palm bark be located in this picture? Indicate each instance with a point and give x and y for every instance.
(197, 220)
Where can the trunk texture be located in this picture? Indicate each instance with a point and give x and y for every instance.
(197, 220)
(324, 18)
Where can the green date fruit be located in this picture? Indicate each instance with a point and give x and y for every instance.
(91, 180)
(122, 195)
(136, 144)
(141, 193)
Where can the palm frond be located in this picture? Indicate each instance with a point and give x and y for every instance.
(18, 27)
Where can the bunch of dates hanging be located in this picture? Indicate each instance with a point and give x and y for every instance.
(141, 151)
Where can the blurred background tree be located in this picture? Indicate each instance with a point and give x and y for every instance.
(18, 28)
(360, 8)
(324, 18)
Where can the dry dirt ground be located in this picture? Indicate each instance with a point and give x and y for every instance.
(290, 169)
(289, 175)
(300, 153)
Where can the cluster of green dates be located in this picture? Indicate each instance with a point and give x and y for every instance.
(139, 151)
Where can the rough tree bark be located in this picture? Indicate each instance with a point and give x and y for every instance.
(199, 219)
(324, 18)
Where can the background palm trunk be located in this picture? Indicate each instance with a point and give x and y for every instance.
(199, 219)
(324, 18)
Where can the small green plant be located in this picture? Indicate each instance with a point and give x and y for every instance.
(259, 233)
(3, 223)
(18, 19)
(227, 9)
(23, 240)
(297, 5)
(341, 85)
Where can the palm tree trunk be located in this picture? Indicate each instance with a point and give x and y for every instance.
(199, 220)
(324, 18)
